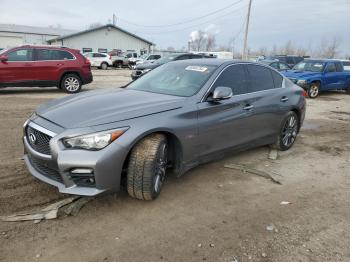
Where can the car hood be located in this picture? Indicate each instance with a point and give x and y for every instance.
(300, 74)
(106, 106)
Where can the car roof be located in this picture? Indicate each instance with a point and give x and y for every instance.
(213, 62)
(322, 60)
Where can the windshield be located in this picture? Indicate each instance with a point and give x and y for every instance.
(174, 79)
(3, 51)
(309, 66)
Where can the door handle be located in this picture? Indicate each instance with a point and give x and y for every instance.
(248, 107)
(284, 99)
(59, 64)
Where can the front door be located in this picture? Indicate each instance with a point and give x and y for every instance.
(18, 68)
(225, 124)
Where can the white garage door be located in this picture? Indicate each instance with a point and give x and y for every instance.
(10, 41)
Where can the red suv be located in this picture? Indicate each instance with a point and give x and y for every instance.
(44, 66)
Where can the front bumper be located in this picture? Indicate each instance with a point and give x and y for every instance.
(56, 169)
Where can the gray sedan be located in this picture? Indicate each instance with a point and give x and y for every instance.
(175, 117)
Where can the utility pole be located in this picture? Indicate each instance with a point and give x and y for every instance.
(245, 45)
(114, 19)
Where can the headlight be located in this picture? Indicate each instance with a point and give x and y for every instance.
(95, 141)
(146, 71)
(301, 82)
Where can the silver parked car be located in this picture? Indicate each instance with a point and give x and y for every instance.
(177, 116)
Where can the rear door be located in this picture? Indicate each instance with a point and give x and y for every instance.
(265, 101)
(332, 79)
(18, 68)
(50, 63)
(227, 123)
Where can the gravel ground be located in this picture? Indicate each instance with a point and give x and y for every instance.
(210, 214)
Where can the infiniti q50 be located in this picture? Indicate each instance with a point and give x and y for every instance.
(174, 118)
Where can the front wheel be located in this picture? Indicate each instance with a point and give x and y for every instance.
(288, 132)
(147, 167)
(313, 90)
(71, 83)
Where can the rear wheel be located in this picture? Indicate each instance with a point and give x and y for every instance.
(71, 83)
(147, 167)
(104, 66)
(314, 90)
(288, 132)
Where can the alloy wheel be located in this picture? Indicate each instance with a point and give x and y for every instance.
(71, 84)
(313, 91)
(160, 168)
(290, 131)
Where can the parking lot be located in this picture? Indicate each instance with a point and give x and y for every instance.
(212, 213)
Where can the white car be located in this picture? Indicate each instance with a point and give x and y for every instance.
(148, 59)
(99, 60)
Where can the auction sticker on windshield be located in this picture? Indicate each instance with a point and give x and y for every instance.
(197, 68)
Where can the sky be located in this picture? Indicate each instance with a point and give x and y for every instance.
(170, 23)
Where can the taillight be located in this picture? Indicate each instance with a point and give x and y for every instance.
(110, 58)
(304, 93)
(87, 61)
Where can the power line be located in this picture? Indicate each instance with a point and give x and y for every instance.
(186, 21)
(192, 26)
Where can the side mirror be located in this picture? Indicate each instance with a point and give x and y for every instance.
(222, 93)
(3, 58)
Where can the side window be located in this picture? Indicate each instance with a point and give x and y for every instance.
(331, 67)
(20, 55)
(290, 60)
(259, 78)
(98, 55)
(274, 65)
(196, 56)
(277, 79)
(47, 54)
(283, 66)
(233, 77)
(339, 67)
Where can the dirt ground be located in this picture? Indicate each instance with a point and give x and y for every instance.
(210, 214)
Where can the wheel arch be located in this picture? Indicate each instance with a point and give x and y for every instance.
(297, 111)
(175, 149)
(67, 73)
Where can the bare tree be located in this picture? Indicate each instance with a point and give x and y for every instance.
(210, 42)
(198, 40)
(329, 48)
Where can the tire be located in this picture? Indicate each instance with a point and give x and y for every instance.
(71, 83)
(104, 66)
(314, 90)
(348, 90)
(288, 132)
(118, 64)
(147, 167)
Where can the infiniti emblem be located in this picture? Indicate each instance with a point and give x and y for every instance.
(32, 138)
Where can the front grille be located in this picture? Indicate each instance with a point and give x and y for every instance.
(45, 170)
(138, 72)
(41, 141)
